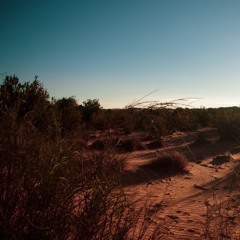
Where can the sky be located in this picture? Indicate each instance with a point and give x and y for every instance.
(120, 50)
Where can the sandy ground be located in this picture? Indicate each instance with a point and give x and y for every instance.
(182, 200)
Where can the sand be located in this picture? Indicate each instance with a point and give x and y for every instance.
(182, 200)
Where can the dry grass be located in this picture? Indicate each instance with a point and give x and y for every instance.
(52, 187)
(173, 162)
(154, 144)
(222, 218)
(55, 188)
(129, 145)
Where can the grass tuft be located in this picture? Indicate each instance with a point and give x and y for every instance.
(174, 162)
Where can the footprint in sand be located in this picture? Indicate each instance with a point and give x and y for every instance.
(192, 231)
(174, 218)
(178, 211)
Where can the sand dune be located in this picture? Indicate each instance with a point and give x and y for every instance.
(185, 198)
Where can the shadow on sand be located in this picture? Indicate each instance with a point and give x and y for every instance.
(146, 175)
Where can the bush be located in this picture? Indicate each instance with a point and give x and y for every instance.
(89, 108)
(129, 145)
(172, 162)
(51, 188)
(69, 113)
(228, 123)
(222, 216)
(155, 144)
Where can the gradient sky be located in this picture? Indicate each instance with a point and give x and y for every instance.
(120, 50)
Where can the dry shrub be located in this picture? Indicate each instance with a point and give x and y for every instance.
(235, 150)
(147, 138)
(105, 141)
(173, 162)
(222, 219)
(155, 144)
(200, 138)
(97, 145)
(221, 159)
(222, 210)
(228, 124)
(129, 145)
(53, 188)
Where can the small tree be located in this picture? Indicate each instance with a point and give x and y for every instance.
(69, 114)
(89, 108)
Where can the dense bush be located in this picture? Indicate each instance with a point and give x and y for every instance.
(228, 123)
(69, 113)
(51, 188)
(28, 102)
(89, 108)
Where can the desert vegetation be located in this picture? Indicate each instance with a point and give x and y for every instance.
(174, 162)
(62, 164)
(51, 186)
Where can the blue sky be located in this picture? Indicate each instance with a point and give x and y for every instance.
(120, 50)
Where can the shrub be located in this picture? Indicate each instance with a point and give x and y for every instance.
(222, 218)
(200, 139)
(69, 114)
(55, 190)
(89, 108)
(155, 144)
(97, 145)
(172, 162)
(51, 188)
(129, 145)
(228, 123)
(221, 159)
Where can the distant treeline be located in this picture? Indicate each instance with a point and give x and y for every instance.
(66, 116)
